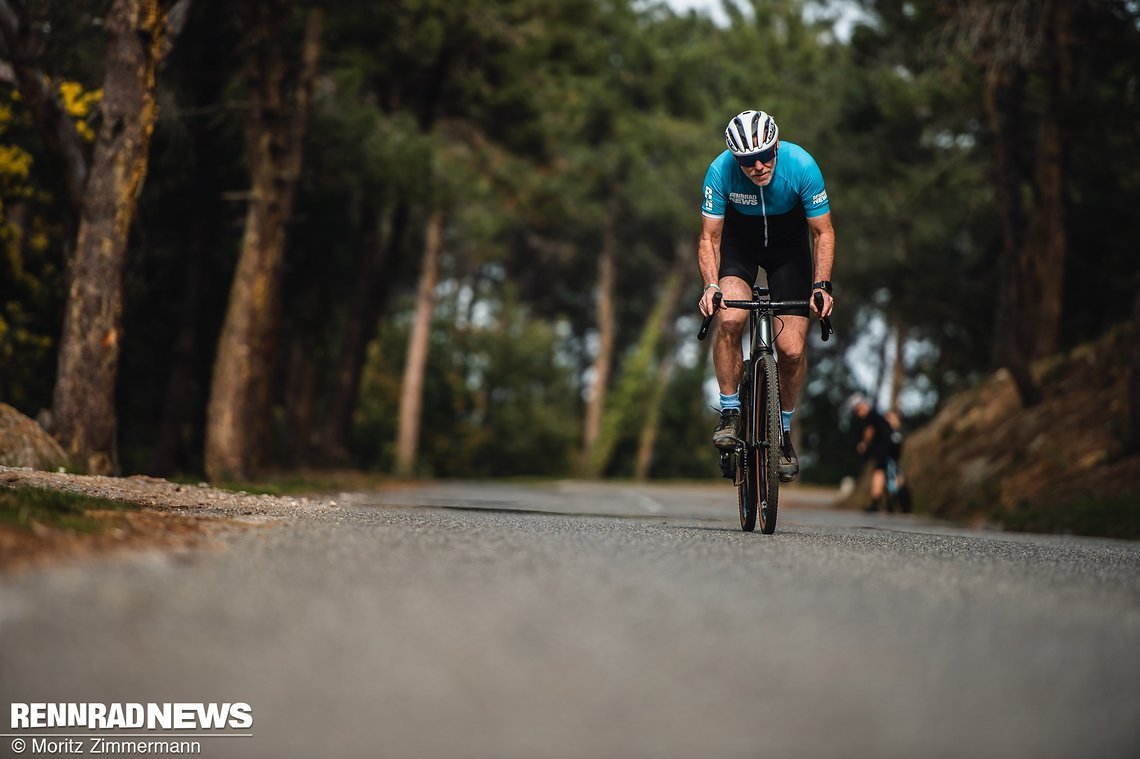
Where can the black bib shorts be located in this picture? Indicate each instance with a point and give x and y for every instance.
(785, 256)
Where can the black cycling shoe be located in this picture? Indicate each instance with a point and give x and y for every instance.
(725, 434)
(789, 467)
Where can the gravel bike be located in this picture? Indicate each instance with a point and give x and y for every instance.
(753, 465)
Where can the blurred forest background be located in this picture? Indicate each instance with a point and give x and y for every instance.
(459, 238)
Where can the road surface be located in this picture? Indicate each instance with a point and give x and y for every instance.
(597, 620)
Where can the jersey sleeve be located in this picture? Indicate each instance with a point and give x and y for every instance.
(712, 204)
(812, 192)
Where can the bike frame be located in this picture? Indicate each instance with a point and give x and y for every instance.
(762, 340)
(757, 484)
(759, 324)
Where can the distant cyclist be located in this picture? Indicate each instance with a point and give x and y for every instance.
(764, 206)
(880, 440)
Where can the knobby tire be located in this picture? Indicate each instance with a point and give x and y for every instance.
(769, 430)
(746, 496)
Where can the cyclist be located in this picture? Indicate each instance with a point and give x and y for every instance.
(881, 441)
(764, 206)
(897, 488)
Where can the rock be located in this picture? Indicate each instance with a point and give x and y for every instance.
(983, 454)
(1092, 460)
(23, 443)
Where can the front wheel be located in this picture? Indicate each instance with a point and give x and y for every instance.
(746, 498)
(768, 436)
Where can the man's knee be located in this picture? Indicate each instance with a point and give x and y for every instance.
(790, 340)
(791, 351)
(732, 321)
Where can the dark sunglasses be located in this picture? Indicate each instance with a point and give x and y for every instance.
(748, 161)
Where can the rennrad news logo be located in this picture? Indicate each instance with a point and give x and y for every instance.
(150, 716)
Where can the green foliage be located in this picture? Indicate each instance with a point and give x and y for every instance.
(625, 407)
(498, 401)
(918, 221)
(821, 416)
(23, 507)
(31, 252)
(683, 447)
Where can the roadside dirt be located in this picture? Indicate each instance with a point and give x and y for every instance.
(171, 516)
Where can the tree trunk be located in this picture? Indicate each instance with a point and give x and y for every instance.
(419, 341)
(898, 370)
(667, 308)
(1003, 91)
(638, 379)
(84, 417)
(653, 416)
(607, 329)
(238, 412)
(372, 289)
(1134, 392)
(1045, 258)
(1015, 43)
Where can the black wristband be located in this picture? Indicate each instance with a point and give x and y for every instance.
(823, 284)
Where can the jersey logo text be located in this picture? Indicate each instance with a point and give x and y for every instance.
(741, 199)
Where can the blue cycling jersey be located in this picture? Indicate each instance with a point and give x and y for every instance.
(796, 180)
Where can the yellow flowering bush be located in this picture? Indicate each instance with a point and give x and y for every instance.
(80, 104)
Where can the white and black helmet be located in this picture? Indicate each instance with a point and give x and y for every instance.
(752, 135)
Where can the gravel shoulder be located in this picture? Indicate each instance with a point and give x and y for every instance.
(170, 517)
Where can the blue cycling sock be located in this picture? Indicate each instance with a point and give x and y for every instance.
(729, 401)
(786, 418)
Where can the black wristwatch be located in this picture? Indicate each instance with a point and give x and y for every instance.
(823, 284)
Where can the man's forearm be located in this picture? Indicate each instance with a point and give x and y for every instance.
(708, 259)
(824, 250)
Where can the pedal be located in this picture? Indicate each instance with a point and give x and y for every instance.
(726, 465)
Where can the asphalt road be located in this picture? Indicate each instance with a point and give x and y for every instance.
(580, 620)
